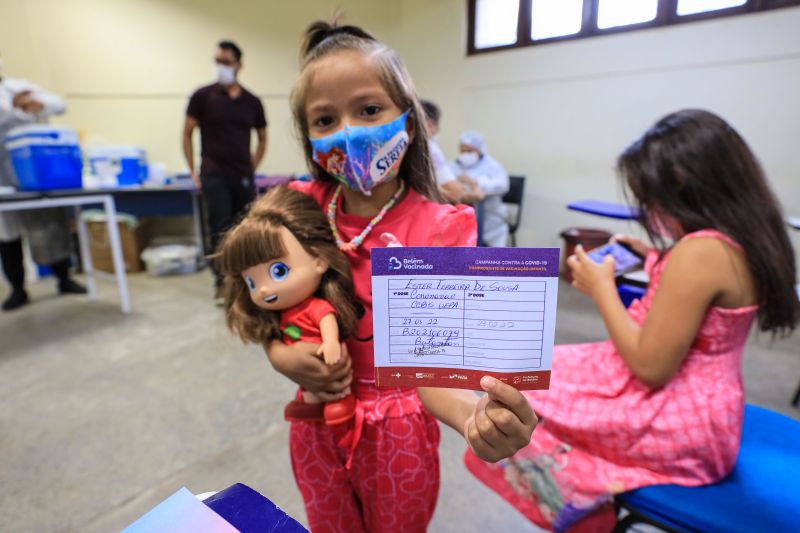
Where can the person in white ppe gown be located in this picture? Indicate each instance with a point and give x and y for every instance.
(450, 188)
(485, 181)
(47, 230)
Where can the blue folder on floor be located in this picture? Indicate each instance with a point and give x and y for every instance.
(250, 512)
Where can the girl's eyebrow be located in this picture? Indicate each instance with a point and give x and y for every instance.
(369, 95)
(320, 107)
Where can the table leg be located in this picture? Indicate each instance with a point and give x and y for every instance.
(86, 256)
(199, 237)
(116, 254)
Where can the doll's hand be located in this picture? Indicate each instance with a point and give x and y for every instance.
(502, 422)
(590, 278)
(331, 352)
(300, 363)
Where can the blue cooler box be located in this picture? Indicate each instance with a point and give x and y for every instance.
(128, 164)
(45, 157)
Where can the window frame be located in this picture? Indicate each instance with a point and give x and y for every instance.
(666, 15)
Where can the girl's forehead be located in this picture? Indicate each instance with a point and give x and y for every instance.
(343, 77)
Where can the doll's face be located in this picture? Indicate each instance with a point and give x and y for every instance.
(286, 281)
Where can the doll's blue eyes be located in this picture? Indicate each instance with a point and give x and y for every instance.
(278, 271)
(250, 283)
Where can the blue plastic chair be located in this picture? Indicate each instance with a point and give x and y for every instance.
(761, 494)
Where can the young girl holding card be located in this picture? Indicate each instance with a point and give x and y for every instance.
(363, 134)
(662, 400)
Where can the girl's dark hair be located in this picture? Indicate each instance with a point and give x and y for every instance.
(323, 38)
(693, 168)
(256, 239)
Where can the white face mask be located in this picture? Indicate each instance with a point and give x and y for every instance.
(226, 75)
(467, 159)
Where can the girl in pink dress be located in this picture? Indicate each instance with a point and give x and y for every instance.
(661, 401)
(355, 98)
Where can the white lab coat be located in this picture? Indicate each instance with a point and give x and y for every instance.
(440, 166)
(47, 228)
(10, 87)
(493, 179)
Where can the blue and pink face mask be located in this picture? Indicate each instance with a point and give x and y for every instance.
(363, 157)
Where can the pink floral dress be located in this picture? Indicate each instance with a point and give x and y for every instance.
(603, 432)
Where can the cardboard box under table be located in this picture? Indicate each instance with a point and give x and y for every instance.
(132, 232)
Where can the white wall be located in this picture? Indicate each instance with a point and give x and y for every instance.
(127, 67)
(560, 113)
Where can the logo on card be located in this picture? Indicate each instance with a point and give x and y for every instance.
(424, 375)
(395, 264)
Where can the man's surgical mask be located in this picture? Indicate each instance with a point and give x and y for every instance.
(363, 157)
(226, 75)
(467, 159)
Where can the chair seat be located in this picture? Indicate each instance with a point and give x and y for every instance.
(761, 494)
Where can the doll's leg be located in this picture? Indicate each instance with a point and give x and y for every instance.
(318, 465)
(311, 397)
(396, 473)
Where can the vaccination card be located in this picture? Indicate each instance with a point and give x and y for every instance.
(445, 317)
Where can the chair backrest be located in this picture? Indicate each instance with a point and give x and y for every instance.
(515, 190)
(514, 196)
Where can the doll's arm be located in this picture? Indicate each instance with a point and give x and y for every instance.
(330, 349)
(495, 426)
(300, 364)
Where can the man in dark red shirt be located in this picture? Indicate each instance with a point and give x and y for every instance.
(226, 113)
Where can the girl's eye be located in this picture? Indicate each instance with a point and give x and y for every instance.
(323, 122)
(250, 283)
(278, 271)
(371, 110)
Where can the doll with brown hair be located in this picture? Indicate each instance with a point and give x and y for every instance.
(285, 279)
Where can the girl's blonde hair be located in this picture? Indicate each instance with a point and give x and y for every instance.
(323, 39)
(257, 240)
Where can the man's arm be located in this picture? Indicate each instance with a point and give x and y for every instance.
(188, 149)
(261, 149)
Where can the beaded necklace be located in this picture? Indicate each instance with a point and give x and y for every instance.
(356, 241)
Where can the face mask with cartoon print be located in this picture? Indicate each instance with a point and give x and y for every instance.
(363, 157)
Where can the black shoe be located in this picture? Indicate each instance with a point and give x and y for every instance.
(17, 299)
(70, 287)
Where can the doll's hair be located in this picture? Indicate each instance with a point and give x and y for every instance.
(694, 168)
(323, 39)
(256, 239)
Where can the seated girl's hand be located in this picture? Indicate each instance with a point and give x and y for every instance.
(638, 246)
(502, 422)
(300, 363)
(589, 277)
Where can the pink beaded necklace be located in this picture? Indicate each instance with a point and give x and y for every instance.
(356, 241)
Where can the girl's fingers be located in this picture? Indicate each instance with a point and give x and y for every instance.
(488, 431)
(510, 397)
(581, 253)
(476, 443)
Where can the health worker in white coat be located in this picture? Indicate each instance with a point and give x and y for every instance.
(47, 230)
(485, 181)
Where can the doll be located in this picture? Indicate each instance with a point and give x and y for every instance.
(286, 280)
